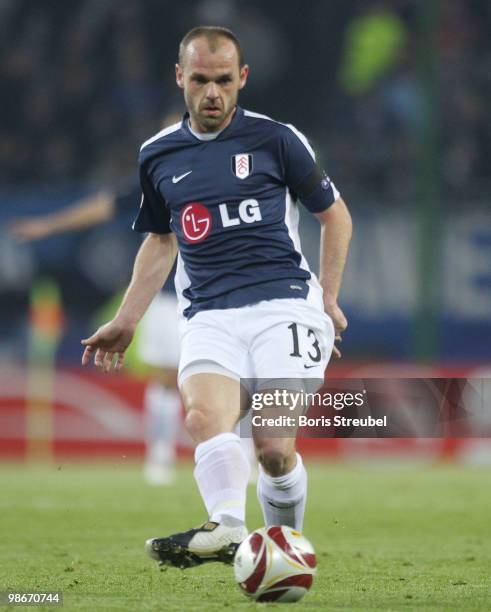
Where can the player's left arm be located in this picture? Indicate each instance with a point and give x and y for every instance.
(336, 230)
(319, 195)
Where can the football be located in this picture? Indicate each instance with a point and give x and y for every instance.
(275, 564)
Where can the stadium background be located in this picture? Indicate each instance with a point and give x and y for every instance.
(394, 97)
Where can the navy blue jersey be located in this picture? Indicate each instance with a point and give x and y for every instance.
(231, 201)
(126, 201)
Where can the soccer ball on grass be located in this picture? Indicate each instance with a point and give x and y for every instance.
(275, 564)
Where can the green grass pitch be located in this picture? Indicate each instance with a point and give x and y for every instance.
(387, 538)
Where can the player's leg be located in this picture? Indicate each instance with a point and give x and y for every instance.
(209, 374)
(282, 481)
(297, 339)
(212, 403)
(158, 346)
(162, 419)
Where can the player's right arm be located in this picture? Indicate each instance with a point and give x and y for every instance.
(85, 213)
(153, 264)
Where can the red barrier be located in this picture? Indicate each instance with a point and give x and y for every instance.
(83, 413)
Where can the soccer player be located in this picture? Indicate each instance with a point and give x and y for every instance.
(221, 185)
(157, 347)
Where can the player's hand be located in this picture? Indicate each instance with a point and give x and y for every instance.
(340, 324)
(111, 339)
(29, 229)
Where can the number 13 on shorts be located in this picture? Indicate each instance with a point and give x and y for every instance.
(311, 353)
(292, 350)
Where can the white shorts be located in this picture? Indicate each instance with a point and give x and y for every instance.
(158, 337)
(273, 339)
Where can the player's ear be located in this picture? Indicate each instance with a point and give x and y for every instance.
(244, 72)
(179, 77)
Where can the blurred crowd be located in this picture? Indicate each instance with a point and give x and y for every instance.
(82, 90)
(85, 81)
(414, 78)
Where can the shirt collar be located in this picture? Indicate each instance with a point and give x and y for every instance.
(213, 135)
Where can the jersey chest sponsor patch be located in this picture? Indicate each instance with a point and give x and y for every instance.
(197, 220)
(242, 165)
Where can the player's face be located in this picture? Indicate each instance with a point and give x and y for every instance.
(211, 82)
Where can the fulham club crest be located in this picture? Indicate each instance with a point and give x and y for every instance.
(242, 165)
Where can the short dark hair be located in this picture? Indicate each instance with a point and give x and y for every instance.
(212, 35)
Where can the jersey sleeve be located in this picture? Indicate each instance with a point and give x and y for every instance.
(303, 177)
(153, 215)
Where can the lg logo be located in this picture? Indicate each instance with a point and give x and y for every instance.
(249, 212)
(196, 219)
(195, 222)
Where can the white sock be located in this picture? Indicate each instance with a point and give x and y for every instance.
(162, 422)
(250, 453)
(283, 498)
(222, 473)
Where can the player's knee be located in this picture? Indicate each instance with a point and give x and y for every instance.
(276, 459)
(197, 422)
